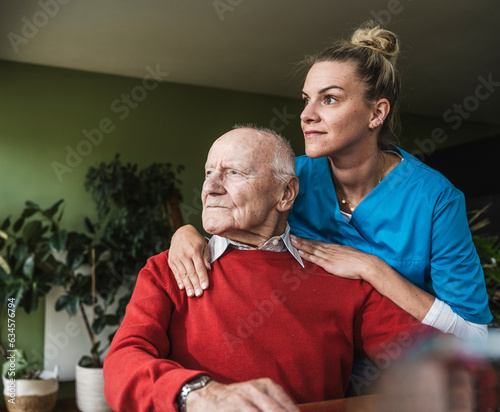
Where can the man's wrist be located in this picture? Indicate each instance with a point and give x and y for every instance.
(190, 386)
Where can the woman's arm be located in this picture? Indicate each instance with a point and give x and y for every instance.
(442, 317)
(189, 259)
(348, 262)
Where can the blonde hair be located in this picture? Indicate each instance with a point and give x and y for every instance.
(375, 51)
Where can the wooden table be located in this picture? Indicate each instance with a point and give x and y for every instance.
(62, 405)
(357, 404)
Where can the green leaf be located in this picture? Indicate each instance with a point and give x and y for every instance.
(30, 302)
(62, 302)
(99, 324)
(21, 364)
(20, 252)
(88, 225)
(75, 258)
(95, 349)
(32, 205)
(5, 224)
(29, 212)
(85, 361)
(53, 209)
(72, 307)
(18, 224)
(32, 232)
(58, 240)
(29, 266)
(4, 265)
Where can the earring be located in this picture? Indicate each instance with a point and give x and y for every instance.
(381, 120)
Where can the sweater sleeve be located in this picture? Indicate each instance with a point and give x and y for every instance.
(137, 375)
(383, 331)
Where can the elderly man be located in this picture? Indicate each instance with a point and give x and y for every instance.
(274, 330)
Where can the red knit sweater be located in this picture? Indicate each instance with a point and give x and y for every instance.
(263, 316)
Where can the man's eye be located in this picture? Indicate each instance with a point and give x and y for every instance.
(234, 172)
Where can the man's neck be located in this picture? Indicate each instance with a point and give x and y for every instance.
(257, 239)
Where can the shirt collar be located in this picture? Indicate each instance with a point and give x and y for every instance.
(218, 245)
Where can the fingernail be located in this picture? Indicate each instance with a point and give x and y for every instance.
(190, 292)
(204, 285)
(294, 239)
(181, 286)
(198, 292)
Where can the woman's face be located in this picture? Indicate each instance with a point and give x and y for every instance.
(335, 118)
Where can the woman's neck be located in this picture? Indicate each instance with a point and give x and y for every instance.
(357, 175)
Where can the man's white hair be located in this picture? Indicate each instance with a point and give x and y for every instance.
(283, 163)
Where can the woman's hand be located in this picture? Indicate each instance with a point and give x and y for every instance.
(189, 259)
(351, 263)
(256, 395)
(343, 261)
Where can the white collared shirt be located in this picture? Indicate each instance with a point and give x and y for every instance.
(218, 245)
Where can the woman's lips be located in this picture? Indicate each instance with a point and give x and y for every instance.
(313, 133)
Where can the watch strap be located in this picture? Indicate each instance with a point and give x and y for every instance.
(190, 386)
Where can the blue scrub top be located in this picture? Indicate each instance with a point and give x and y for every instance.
(415, 220)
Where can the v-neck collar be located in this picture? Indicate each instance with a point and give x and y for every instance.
(377, 195)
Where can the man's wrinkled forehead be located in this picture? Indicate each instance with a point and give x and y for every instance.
(244, 147)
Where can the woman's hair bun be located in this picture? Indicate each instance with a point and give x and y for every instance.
(372, 36)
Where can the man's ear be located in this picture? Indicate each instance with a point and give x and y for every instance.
(288, 195)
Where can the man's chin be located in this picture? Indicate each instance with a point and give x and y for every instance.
(212, 228)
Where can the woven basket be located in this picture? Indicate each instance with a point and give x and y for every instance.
(45, 403)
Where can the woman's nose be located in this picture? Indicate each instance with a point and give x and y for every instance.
(309, 114)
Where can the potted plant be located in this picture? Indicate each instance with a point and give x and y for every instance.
(27, 388)
(137, 212)
(28, 268)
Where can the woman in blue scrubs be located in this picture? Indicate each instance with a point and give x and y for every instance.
(366, 208)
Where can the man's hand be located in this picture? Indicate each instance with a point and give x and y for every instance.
(256, 395)
(189, 259)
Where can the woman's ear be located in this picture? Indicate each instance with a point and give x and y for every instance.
(289, 194)
(381, 110)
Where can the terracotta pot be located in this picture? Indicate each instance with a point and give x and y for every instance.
(90, 390)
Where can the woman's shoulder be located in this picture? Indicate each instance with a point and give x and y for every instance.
(308, 167)
(425, 177)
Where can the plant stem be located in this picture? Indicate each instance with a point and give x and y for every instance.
(87, 324)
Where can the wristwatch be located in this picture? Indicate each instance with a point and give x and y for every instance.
(194, 384)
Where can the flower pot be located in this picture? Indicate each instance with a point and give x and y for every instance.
(90, 390)
(32, 395)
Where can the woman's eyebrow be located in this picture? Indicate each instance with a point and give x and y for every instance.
(324, 90)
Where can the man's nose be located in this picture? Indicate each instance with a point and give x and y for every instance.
(214, 184)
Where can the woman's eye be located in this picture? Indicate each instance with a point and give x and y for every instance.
(306, 101)
(330, 100)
